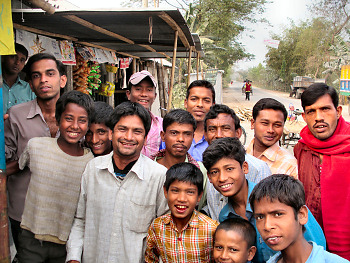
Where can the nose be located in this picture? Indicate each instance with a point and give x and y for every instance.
(268, 224)
(95, 138)
(319, 115)
(200, 103)
(222, 177)
(144, 93)
(128, 135)
(180, 137)
(43, 78)
(181, 196)
(219, 133)
(224, 254)
(270, 128)
(74, 124)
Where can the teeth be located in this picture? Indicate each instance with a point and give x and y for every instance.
(272, 238)
(181, 206)
(225, 186)
(73, 133)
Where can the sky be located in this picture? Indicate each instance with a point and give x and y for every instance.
(278, 13)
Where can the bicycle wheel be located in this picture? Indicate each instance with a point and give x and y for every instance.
(243, 138)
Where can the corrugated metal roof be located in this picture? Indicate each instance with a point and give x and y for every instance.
(99, 27)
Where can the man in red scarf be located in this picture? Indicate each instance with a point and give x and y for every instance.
(323, 156)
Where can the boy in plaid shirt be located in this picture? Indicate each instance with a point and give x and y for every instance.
(185, 235)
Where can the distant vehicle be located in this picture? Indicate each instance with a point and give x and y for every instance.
(301, 83)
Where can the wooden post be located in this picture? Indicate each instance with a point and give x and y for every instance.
(4, 225)
(197, 66)
(161, 88)
(189, 68)
(172, 72)
(201, 69)
(134, 66)
(69, 85)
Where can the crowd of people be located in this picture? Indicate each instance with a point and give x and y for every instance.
(89, 183)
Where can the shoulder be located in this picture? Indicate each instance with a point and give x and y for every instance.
(285, 154)
(207, 220)
(275, 258)
(19, 108)
(318, 254)
(155, 168)
(257, 163)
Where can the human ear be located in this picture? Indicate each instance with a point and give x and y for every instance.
(239, 133)
(162, 135)
(339, 111)
(303, 215)
(63, 81)
(110, 134)
(128, 94)
(251, 253)
(245, 167)
(252, 122)
(165, 192)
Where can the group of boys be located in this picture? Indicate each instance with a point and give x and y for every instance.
(66, 206)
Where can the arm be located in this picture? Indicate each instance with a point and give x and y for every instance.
(12, 167)
(151, 254)
(76, 238)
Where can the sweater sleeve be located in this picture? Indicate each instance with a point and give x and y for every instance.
(24, 158)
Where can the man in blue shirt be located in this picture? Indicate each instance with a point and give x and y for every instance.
(15, 90)
(226, 167)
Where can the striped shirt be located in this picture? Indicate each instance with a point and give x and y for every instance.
(153, 139)
(278, 159)
(194, 243)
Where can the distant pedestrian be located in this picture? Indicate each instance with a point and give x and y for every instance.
(248, 90)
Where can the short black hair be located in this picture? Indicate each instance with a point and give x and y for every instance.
(22, 49)
(129, 108)
(230, 148)
(184, 172)
(102, 112)
(40, 56)
(269, 103)
(216, 109)
(201, 83)
(317, 90)
(281, 187)
(76, 97)
(179, 116)
(240, 225)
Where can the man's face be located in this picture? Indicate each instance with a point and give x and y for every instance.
(221, 127)
(143, 93)
(268, 127)
(277, 224)
(199, 102)
(13, 64)
(322, 117)
(178, 139)
(46, 81)
(228, 177)
(98, 138)
(182, 199)
(231, 247)
(128, 137)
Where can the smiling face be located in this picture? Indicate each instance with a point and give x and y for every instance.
(143, 93)
(98, 138)
(227, 176)
(277, 223)
(178, 139)
(14, 64)
(198, 103)
(128, 137)
(222, 126)
(322, 117)
(182, 199)
(73, 123)
(46, 81)
(231, 247)
(268, 127)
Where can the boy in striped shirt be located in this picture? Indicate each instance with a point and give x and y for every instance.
(185, 235)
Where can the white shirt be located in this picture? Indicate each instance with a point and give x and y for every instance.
(113, 215)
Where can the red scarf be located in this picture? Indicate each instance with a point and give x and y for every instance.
(335, 185)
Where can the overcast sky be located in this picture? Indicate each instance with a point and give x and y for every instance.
(278, 13)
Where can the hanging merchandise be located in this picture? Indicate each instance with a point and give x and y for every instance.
(106, 89)
(94, 77)
(124, 64)
(81, 72)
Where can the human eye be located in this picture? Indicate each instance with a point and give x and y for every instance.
(138, 132)
(83, 120)
(173, 132)
(207, 101)
(278, 214)
(191, 192)
(259, 217)
(232, 249)
(211, 129)
(278, 125)
(68, 118)
(35, 76)
(174, 190)
(101, 132)
(227, 128)
(229, 169)
(214, 172)
(218, 247)
(265, 123)
(309, 112)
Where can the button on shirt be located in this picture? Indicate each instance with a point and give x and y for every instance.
(113, 216)
(258, 170)
(19, 92)
(313, 231)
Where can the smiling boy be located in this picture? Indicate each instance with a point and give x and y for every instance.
(56, 167)
(225, 162)
(185, 235)
(279, 208)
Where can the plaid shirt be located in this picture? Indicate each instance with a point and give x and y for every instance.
(278, 159)
(194, 243)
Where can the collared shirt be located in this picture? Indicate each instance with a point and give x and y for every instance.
(153, 139)
(313, 231)
(278, 159)
(318, 254)
(189, 159)
(258, 170)
(25, 121)
(194, 243)
(197, 149)
(19, 92)
(113, 216)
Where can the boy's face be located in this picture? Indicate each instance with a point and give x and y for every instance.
(268, 127)
(14, 63)
(222, 126)
(73, 123)
(227, 176)
(230, 247)
(128, 137)
(45, 80)
(182, 199)
(98, 138)
(143, 93)
(199, 102)
(178, 138)
(277, 224)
